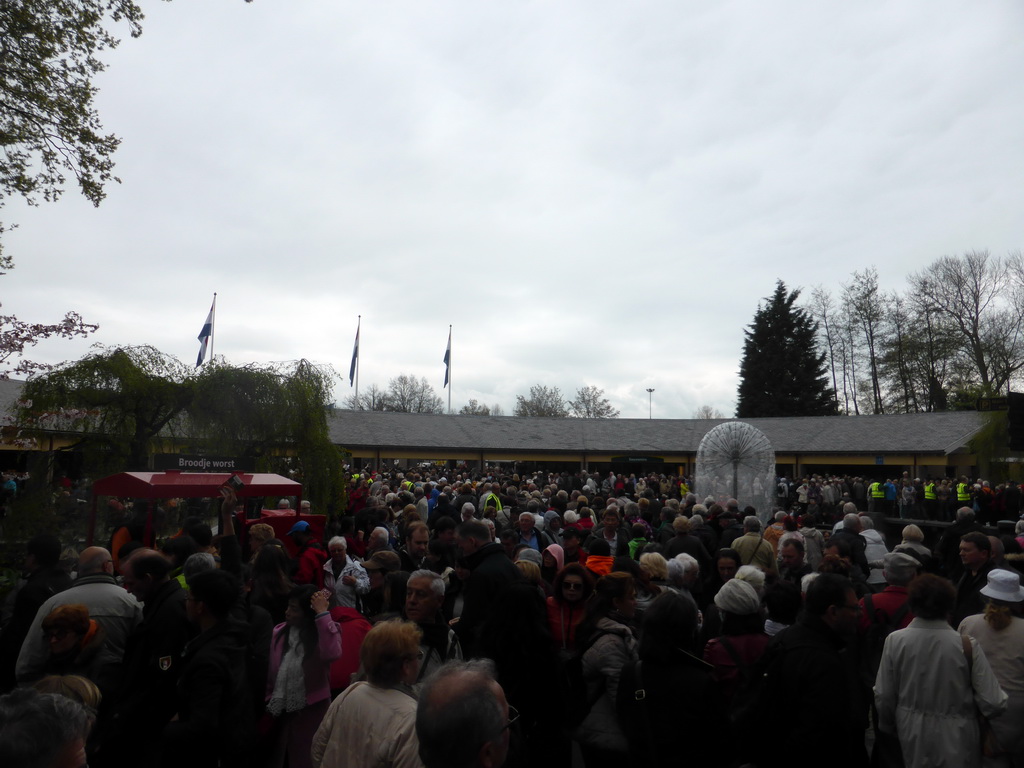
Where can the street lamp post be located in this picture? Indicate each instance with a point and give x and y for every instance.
(650, 400)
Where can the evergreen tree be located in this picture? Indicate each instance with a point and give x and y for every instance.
(782, 372)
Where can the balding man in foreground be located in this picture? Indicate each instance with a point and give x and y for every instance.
(462, 719)
(42, 730)
(109, 604)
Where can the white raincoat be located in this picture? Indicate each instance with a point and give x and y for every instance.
(924, 694)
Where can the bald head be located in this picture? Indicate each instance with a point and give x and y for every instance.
(141, 552)
(461, 717)
(95, 560)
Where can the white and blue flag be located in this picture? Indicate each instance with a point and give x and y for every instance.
(448, 359)
(207, 333)
(355, 357)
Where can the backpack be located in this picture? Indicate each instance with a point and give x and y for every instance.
(579, 699)
(742, 667)
(874, 639)
(754, 704)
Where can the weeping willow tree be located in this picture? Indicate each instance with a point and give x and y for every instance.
(114, 402)
(122, 405)
(276, 417)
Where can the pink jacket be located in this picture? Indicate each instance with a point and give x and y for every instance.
(317, 669)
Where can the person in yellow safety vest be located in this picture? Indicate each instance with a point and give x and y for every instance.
(963, 491)
(492, 500)
(876, 497)
(930, 500)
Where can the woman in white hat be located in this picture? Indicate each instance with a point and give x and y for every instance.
(1000, 633)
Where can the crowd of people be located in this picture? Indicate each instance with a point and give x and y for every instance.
(530, 620)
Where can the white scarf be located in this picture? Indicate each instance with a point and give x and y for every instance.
(290, 686)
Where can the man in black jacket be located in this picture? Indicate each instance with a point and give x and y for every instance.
(948, 548)
(809, 678)
(490, 572)
(684, 541)
(214, 723)
(145, 701)
(850, 532)
(612, 532)
(976, 558)
(44, 579)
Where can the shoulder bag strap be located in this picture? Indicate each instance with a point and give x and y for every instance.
(733, 654)
(640, 697)
(869, 608)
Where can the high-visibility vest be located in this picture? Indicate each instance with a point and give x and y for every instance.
(962, 493)
(877, 491)
(929, 492)
(497, 501)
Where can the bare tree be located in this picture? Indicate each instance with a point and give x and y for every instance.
(866, 306)
(976, 293)
(707, 412)
(473, 408)
(590, 403)
(373, 398)
(543, 401)
(407, 394)
(848, 360)
(823, 310)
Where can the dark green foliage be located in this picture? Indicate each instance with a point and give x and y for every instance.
(118, 400)
(49, 126)
(276, 416)
(782, 372)
(126, 404)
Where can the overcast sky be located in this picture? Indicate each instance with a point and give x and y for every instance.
(588, 192)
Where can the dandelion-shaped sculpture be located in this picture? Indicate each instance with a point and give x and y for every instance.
(735, 460)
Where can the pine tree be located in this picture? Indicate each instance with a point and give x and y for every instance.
(782, 372)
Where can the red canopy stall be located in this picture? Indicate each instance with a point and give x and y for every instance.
(193, 485)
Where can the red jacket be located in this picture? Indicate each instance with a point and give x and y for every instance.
(310, 568)
(885, 605)
(563, 618)
(728, 676)
(353, 629)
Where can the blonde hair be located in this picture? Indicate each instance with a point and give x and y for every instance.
(74, 687)
(998, 615)
(913, 533)
(386, 648)
(260, 534)
(655, 564)
(530, 570)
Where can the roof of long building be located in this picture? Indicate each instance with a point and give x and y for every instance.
(922, 433)
(933, 433)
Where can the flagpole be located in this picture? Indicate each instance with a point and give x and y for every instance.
(449, 369)
(213, 324)
(359, 325)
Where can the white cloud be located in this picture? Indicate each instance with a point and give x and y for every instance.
(588, 192)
